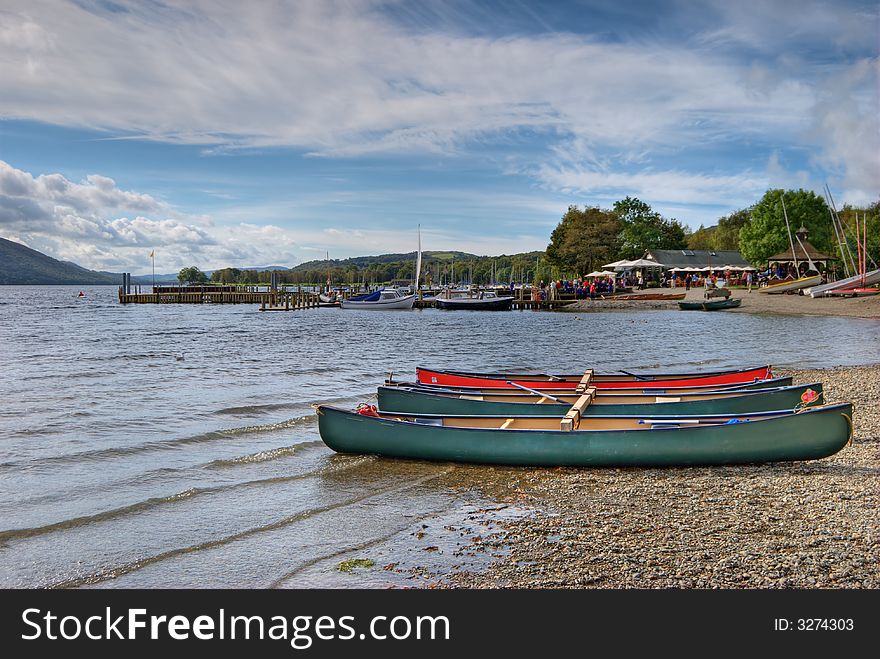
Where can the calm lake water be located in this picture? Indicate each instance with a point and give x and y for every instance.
(175, 445)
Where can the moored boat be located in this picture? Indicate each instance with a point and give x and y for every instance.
(601, 381)
(411, 400)
(474, 300)
(594, 441)
(386, 298)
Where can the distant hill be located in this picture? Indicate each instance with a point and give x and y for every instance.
(366, 261)
(20, 265)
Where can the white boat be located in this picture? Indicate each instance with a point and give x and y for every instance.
(835, 287)
(792, 285)
(384, 299)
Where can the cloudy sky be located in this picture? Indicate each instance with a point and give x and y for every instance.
(228, 133)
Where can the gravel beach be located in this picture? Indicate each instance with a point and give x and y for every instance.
(754, 302)
(783, 525)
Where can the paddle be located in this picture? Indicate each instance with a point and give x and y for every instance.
(537, 393)
(633, 375)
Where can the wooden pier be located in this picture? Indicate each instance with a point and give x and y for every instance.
(289, 299)
(277, 300)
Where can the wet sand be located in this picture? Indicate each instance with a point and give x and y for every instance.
(753, 302)
(782, 525)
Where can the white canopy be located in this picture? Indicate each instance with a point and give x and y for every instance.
(623, 263)
(644, 263)
(597, 273)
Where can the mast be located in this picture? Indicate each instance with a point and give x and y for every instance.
(797, 265)
(418, 261)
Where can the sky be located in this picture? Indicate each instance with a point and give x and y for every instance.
(223, 133)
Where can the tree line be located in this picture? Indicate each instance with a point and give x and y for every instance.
(587, 238)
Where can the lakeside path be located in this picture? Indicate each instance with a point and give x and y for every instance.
(782, 525)
(754, 302)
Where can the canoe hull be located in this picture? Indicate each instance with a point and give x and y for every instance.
(710, 305)
(404, 303)
(409, 401)
(814, 433)
(667, 381)
(475, 304)
(793, 285)
(635, 388)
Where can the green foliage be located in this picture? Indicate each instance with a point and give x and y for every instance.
(702, 238)
(584, 240)
(726, 234)
(643, 228)
(352, 563)
(192, 275)
(766, 234)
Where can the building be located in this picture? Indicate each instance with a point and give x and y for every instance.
(697, 259)
(804, 252)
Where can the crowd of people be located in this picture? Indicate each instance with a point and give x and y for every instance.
(582, 289)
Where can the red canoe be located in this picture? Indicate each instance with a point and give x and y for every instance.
(602, 381)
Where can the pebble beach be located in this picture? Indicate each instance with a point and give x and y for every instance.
(783, 525)
(753, 302)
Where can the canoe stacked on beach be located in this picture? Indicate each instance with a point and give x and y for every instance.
(623, 380)
(745, 419)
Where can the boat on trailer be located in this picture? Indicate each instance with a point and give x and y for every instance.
(591, 441)
(412, 400)
(581, 381)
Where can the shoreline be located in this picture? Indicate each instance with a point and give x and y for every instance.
(754, 302)
(781, 525)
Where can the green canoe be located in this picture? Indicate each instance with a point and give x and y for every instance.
(653, 391)
(710, 305)
(813, 433)
(419, 401)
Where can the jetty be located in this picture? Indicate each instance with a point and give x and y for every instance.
(294, 298)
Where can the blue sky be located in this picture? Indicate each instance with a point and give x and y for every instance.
(227, 133)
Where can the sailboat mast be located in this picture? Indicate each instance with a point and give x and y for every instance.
(797, 265)
(418, 261)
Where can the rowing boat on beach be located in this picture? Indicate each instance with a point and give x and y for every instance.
(411, 400)
(601, 381)
(635, 388)
(791, 285)
(647, 296)
(710, 305)
(592, 441)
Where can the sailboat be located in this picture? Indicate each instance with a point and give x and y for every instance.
(388, 298)
(802, 282)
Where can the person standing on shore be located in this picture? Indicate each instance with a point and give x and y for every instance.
(749, 281)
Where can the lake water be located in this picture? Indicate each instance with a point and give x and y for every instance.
(175, 445)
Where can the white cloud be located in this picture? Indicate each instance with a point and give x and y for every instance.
(341, 79)
(80, 222)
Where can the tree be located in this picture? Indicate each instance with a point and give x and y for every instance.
(766, 233)
(192, 275)
(642, 228)
(584, 240)
(726, 234)
(702, 238)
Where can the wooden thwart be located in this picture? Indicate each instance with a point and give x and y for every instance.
(572, 419)
(584, 384)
